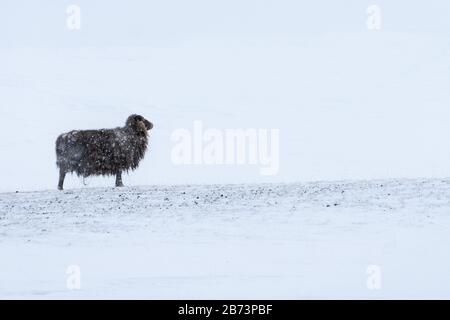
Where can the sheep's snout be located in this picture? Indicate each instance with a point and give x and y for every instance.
(148, 125)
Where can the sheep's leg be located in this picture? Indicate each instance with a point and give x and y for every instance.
(119, 179)
(62, 175)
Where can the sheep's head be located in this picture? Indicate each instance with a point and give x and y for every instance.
(139, 123)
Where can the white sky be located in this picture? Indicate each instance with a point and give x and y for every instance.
(171, 22)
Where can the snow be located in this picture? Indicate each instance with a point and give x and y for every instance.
(313, 240)
(392, 122)
(368, 108)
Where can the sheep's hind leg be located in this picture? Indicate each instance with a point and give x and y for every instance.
(119, 179)
(62, 175)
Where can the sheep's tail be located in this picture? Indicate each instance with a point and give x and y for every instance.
(60, 148)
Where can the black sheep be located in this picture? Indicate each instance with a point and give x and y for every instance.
(104, 151)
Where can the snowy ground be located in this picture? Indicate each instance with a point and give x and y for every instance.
(312, 240)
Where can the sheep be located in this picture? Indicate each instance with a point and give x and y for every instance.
(103, 152)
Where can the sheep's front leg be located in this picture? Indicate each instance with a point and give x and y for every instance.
(119, 179)
(62, 175)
